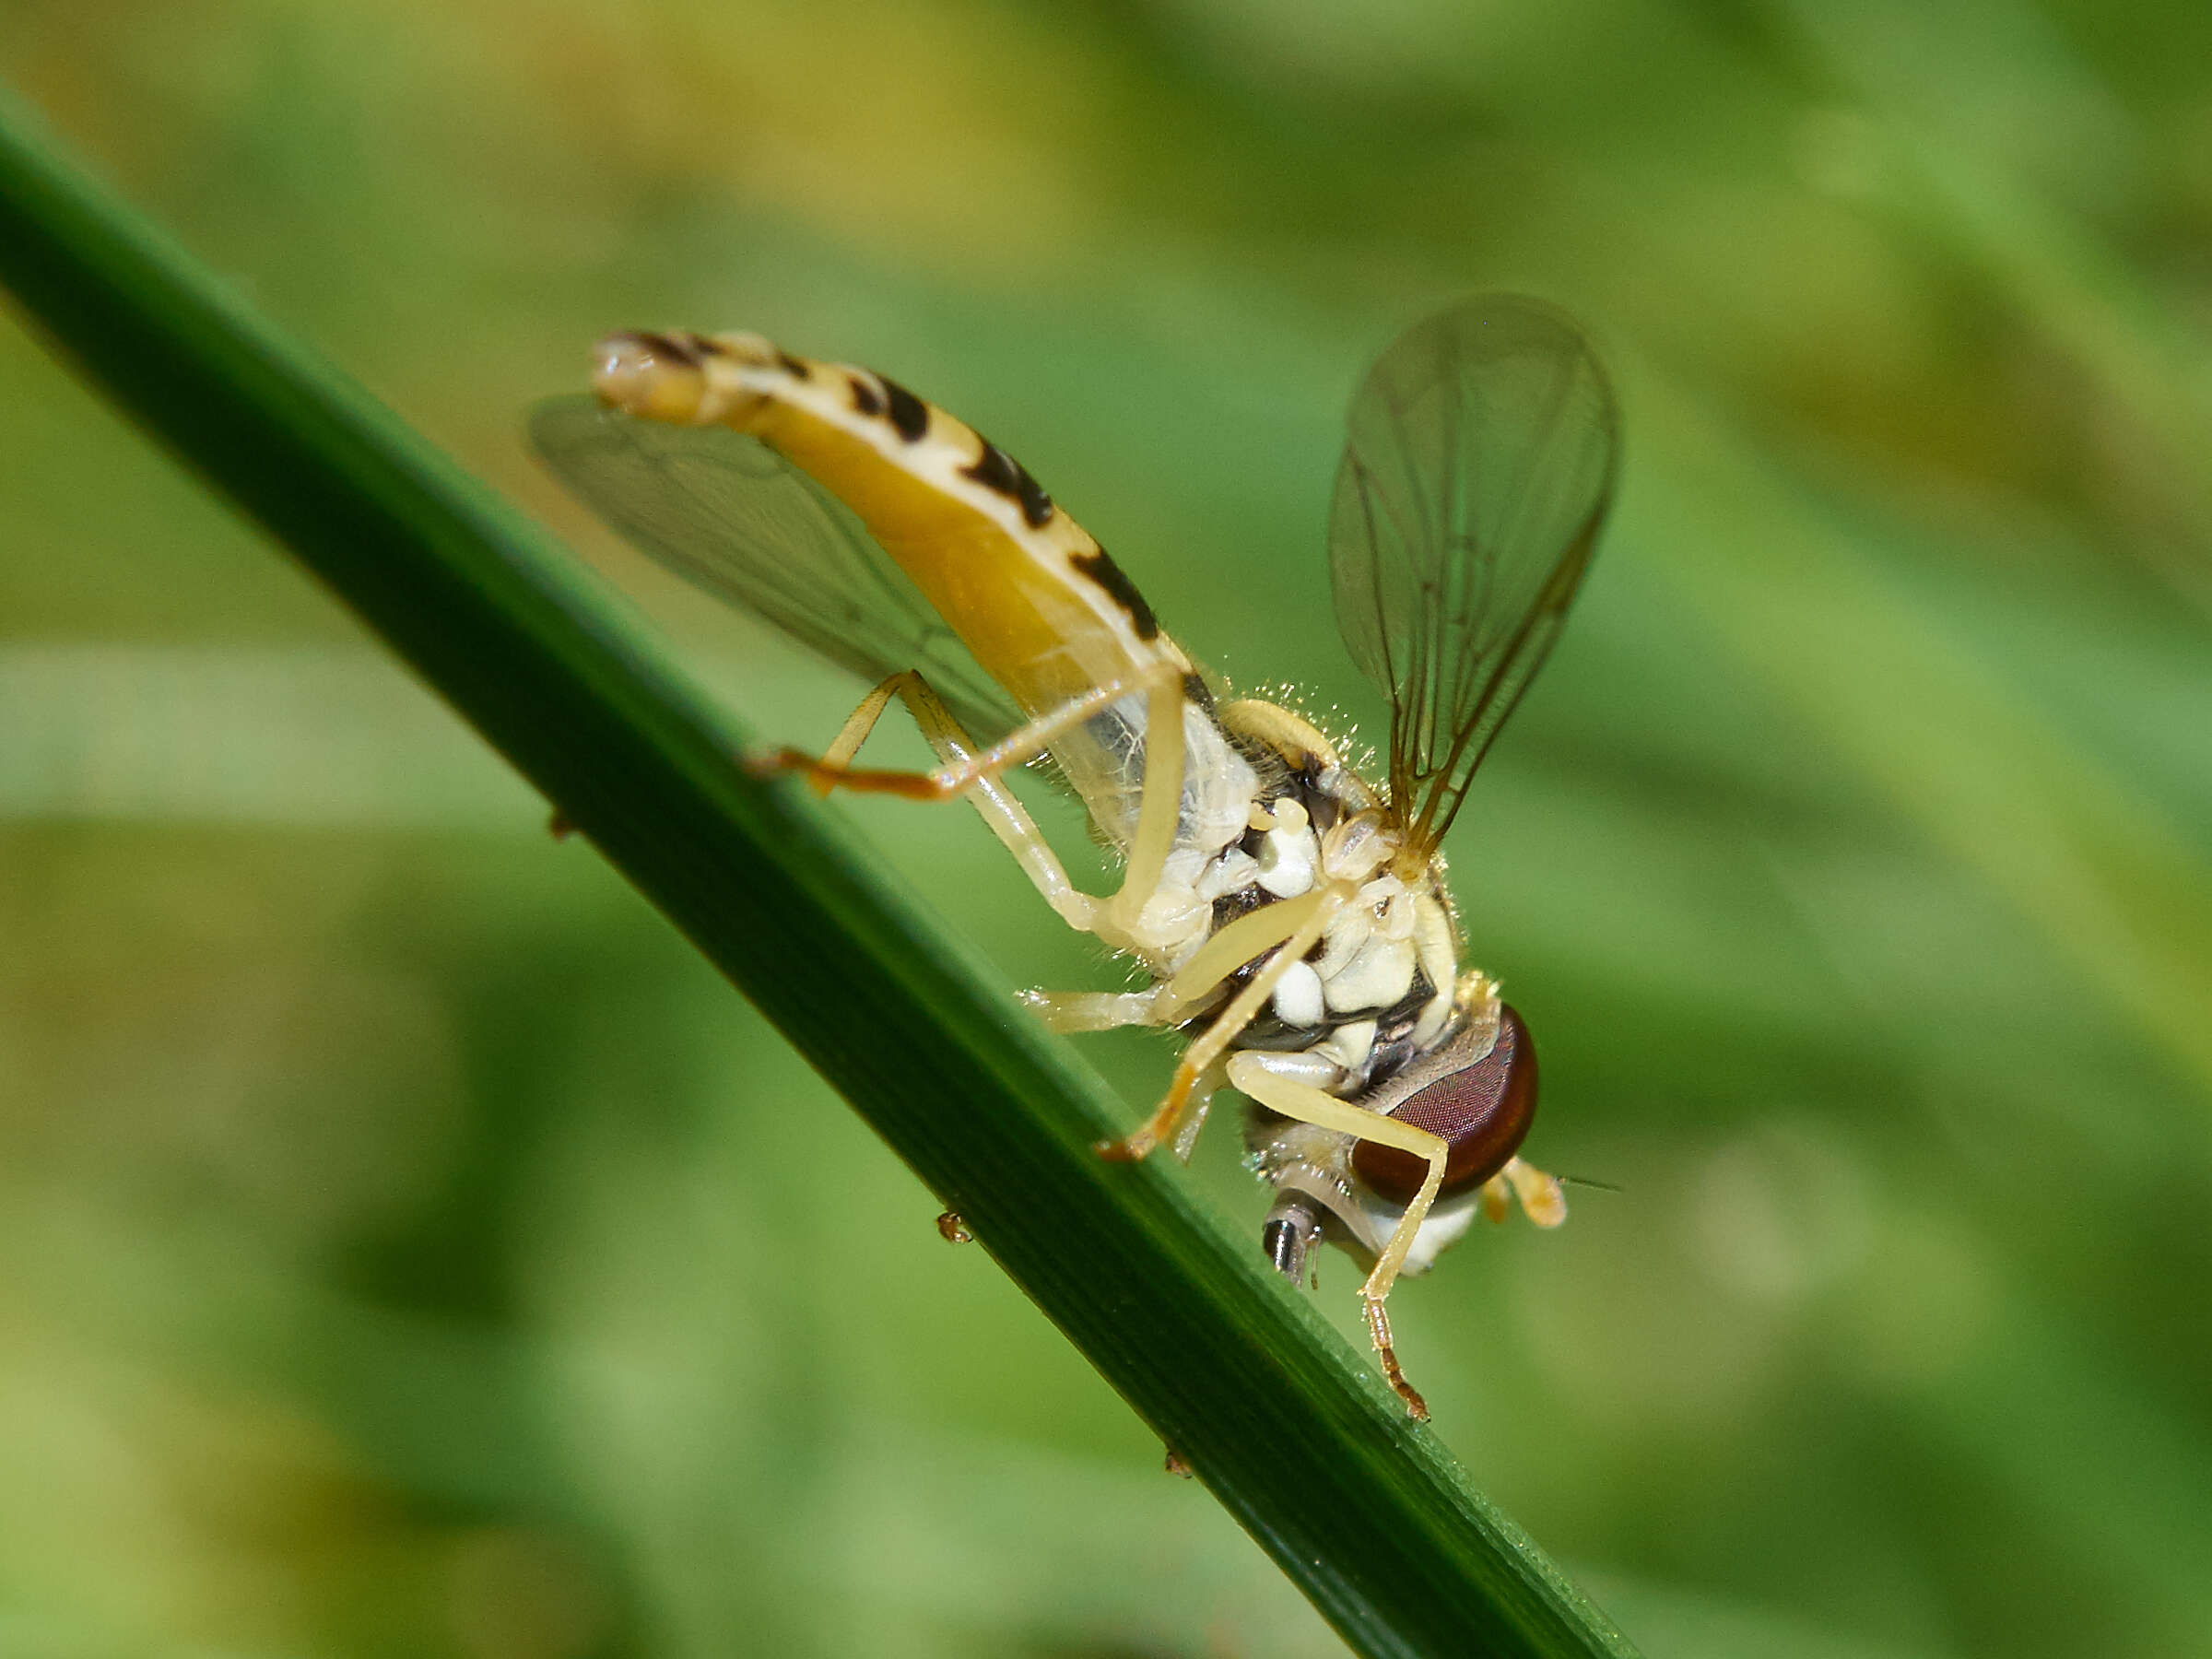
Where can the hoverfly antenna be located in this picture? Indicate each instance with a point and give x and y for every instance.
(1591, 1181)
(1289, 1231)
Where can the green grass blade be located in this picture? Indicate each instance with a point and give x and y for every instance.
(1292, 1431)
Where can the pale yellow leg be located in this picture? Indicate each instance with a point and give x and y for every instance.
(1072, 1011)
(974, 773)
(834, 770)
(1158, 807)
(1213, 1042)
(1248, 1073)
(1169, 1002)
(1246, 937)
(920, 699)
(1202, 1101)
(1009, 820)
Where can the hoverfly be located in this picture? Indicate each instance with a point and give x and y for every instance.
(1291, 913)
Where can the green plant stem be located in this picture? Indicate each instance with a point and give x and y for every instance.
(1292, 1430)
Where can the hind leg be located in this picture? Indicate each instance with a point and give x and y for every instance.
(976, 771)
(982, 784)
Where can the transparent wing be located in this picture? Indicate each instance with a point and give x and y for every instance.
(1476, 475)
(730, 515)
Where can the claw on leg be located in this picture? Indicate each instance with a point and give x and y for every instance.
(1132, 1147)
(1148, 1137)
(1378, 1330)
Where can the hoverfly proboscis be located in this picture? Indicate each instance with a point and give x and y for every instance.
(1291, 913)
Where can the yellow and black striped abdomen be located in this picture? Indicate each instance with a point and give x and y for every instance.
(1043, 608)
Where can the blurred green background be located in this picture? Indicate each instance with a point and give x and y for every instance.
(407, 1246)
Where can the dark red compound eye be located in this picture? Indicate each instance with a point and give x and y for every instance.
(1481, 1110)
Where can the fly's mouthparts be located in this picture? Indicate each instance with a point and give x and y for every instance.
(1290, 1231)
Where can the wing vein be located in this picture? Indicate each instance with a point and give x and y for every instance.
(1478, 470)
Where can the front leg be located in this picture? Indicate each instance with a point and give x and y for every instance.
(1251, 1073)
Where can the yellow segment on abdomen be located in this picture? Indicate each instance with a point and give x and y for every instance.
(1044, 609)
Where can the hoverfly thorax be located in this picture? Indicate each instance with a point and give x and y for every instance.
(1291, 913)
